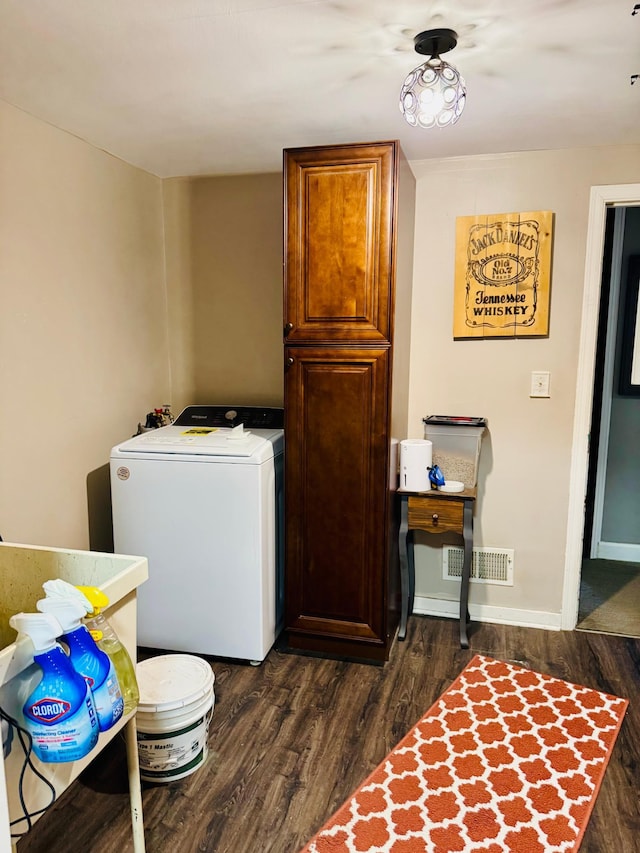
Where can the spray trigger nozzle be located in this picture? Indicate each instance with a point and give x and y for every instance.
(43, 629)
(436, 477)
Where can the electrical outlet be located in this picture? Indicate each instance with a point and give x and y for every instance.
(540, 383)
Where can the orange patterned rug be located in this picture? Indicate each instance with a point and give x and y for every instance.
(506, 760)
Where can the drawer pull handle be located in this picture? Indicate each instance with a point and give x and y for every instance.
(434, 517)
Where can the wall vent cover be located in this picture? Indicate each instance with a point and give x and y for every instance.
(488, 565)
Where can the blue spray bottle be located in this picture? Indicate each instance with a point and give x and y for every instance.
(93, 664)
(60, 713)
(94, 600)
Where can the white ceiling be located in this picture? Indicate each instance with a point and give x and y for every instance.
(192, 87)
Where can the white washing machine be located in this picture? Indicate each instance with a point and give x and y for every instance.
(202, 499)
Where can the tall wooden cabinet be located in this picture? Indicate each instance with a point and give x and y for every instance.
(348, 270)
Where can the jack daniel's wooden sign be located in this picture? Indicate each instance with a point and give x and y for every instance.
(502, 275)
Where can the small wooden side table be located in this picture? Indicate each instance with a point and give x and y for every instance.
(434, 512)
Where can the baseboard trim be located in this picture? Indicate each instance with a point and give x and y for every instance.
(424, 606)
(622, 551)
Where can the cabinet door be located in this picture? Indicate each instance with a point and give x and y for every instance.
(339, 209)
(337, 499)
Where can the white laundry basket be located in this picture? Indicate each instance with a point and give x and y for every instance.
(174, 711)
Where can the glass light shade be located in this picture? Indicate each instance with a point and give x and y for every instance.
(433, 95)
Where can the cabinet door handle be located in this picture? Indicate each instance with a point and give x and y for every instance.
(434, 517)
(290, 361)
(288, 328)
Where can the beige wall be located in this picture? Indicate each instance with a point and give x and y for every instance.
(236, 230)
(83, 327)
(176, 196)
(121, 292)
(524, 473)
(237, 285)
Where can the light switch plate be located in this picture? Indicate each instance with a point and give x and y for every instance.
(540, 380)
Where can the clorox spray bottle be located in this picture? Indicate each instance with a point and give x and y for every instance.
(91, 662)
(94, 601)
(60, 713)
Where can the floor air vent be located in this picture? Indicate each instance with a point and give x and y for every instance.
(488, 565)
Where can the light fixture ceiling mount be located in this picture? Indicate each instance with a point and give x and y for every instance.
(434, 94)
(435, 42)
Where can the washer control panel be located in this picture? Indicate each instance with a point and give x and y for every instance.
(258, 417)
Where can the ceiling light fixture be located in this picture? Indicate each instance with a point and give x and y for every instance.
(434, 94)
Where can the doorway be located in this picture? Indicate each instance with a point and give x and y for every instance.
(580, 525)
(610, 572)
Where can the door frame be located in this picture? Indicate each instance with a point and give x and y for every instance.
(601, 198)
(602, 450)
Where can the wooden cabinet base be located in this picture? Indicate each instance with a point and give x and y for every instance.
(333, 647)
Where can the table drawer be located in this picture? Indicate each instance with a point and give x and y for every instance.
(435, 515)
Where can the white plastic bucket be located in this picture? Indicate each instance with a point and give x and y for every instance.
(174, 711)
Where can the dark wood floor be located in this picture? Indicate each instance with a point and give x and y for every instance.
(291, 739)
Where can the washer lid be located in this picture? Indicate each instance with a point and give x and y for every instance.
(206, 441)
